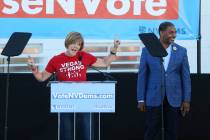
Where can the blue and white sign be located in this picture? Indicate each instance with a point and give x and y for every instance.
(82, 97)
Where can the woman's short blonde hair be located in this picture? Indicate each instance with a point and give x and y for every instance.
(74, 37)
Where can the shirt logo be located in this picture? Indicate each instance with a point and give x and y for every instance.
(72, 69)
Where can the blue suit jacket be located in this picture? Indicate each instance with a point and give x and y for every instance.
(175, 80)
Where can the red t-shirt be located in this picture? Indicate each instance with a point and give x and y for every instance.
(70, 68)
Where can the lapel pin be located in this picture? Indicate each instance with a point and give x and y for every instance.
(174, 48)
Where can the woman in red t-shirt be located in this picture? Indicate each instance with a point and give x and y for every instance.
(72, 65)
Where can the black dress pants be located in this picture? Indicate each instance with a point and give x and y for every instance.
(153, 125)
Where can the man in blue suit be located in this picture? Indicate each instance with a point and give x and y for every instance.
(164, 81)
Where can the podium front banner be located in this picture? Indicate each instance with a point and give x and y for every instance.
(88, 96)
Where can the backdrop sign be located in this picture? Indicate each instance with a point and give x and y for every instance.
(98, 19)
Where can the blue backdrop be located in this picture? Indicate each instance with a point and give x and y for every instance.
(187, 25)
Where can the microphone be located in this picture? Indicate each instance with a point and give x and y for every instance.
(105, 75)
(80, 58)
(52, 78)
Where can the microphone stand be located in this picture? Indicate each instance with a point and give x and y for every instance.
(107, 78)
(7, 100)
(161, 89)
(105, 75)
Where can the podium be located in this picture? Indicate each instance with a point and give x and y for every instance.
(82, 97)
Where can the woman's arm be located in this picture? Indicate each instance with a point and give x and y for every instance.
(106, 61)
(40, 76)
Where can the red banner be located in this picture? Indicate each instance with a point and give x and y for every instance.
(95, 9)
